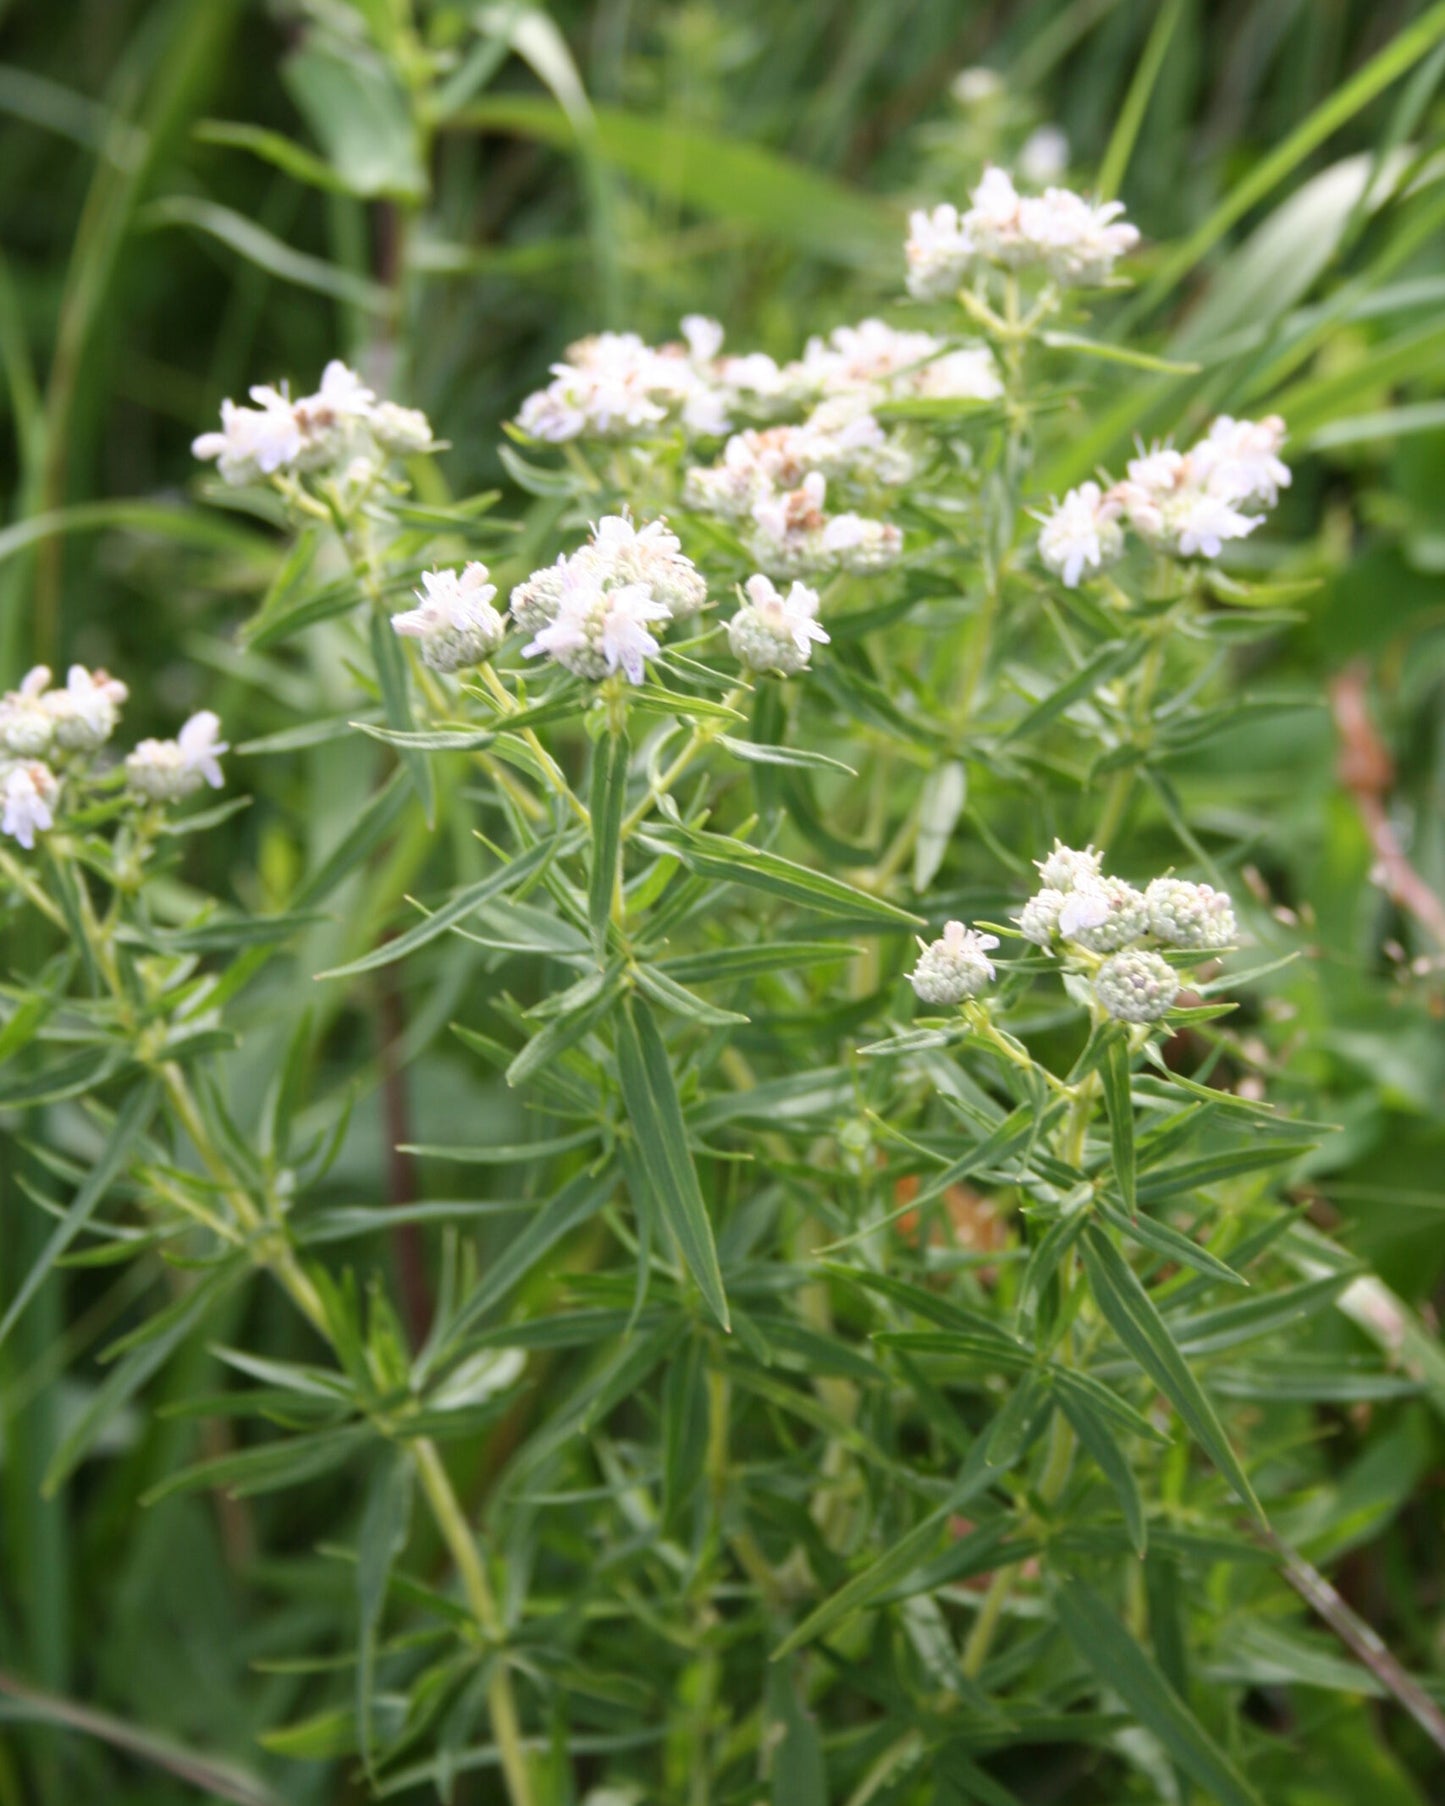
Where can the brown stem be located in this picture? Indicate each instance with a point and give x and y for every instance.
(1367, 771)
(1360, 1638)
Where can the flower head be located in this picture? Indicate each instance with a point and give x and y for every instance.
(86, 711)
(597, 631)
(1189, 915)
(456, 625)
(939, 251)
(955, 966)
(773, 632)
(1136, 985)
(1103, 914)
(166, 771)
(27, 724)
(1081, 535)
(650, 555)
(28, 789)
(1066, 867)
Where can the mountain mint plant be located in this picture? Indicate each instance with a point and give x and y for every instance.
(859, 1344)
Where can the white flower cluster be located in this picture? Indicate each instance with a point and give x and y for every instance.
(343, 420)
(775, 633)
(593, 611)
(1187, 504)
(1080, 907)
(615, 386)
(1073, 241)
(955, 967)
(456, 625)
(42, 729)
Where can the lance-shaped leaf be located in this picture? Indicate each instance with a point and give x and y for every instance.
(384, 1526)
(1125, 1668)
(129, 1125)
(650, 1094)
(1119, 1104)
(609, 794)
(1131, 1314)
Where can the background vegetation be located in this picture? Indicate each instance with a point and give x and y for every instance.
(622, 166)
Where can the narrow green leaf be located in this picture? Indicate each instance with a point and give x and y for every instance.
(1131, 1314)
(390, 659)
(655, 1116)
(460, 906)
(732, 861)
(130, 1124)
(754, 752)
(679, 1000)
(608, 801)
(750, 962)
(1124, 1667)
(1094, 1433)
(385, 1523)
(265, 250)
(1118, 354)
(1119, 1104)
(580, 1199)
(1163, 1238)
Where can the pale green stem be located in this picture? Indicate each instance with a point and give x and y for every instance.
(456, 1532)
(700, 738)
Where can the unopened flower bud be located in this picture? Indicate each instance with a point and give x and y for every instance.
(1136, 985)
(1190, 915)
(1103, 915)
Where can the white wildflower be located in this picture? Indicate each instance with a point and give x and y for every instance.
(1082, 534)
(534, 604)
(86, 711)
(954, 967)
(650, 555)
(858, 544)
(976, 86)
(1065, 868)
(939, 252)
(253, 442)
(28, 789)
(1239, 460)
(968, 374)
(773, 632)
(1076, 241)
(993, 220)
(27, 725)
(1136, 986)
(401, 431)
(456, 625)
(789, 526)
(704, 337)
(599, 631)
(1044, 155)
(165, 771)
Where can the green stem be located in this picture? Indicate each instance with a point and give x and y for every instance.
(700, 738)
(456, 1532)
